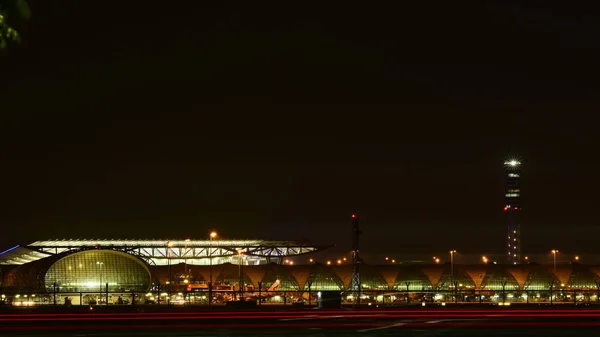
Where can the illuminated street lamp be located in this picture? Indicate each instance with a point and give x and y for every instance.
(452, 252)
(169, 245)
(576, 257)
(185, 251)
(100, 264)
(484, 259)
(240, 254)
(211, 236)
(436, 259)
(554, 252)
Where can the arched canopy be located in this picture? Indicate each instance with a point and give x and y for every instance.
(540, 278)
(280, 278)
(498, 277)
(455, 277)
(92, 270)
(413, 278)
(583, 278)
(230, 275)
(323, 278)
(371, 279)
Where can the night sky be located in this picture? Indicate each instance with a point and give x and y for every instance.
(139, 121)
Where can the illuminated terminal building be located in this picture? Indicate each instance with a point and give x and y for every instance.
(132, 265)
(152, 267)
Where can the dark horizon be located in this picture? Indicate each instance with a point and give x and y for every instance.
(279, 126)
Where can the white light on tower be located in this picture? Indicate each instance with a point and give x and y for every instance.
(512, 163)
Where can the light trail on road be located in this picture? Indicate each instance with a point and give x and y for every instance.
(359, 320)
(299, 314)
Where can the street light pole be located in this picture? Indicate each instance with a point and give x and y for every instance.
(554, 252)
(100, 264)
(210, 280)
(240, 273)
(452, 265)
(169, 245)
(452, 252)
(185, 271)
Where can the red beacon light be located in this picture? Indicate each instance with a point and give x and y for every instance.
(353, 216)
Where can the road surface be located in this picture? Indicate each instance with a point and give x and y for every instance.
(425, 323)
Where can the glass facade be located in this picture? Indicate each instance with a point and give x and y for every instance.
(230, 275)
(413, 278)
(459, 279)
(281, 274)
(540, 279)
(323, 278)
(499, 279)
(370, 279)
(582, 278)
(91, 270)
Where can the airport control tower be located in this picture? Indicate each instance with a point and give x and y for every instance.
(512, 207)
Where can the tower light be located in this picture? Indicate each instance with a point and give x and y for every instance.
(512, 208)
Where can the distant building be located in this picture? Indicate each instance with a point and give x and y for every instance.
(512, 208)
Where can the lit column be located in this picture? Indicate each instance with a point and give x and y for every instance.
(554, 252)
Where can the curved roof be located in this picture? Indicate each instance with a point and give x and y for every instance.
(30, 276)
(161, 243)
(79, 271)
(162, 249)
(38, 275)
(18, 255)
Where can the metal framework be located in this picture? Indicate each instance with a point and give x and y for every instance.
(165, 252)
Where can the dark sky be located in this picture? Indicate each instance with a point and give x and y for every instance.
(132, 120)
